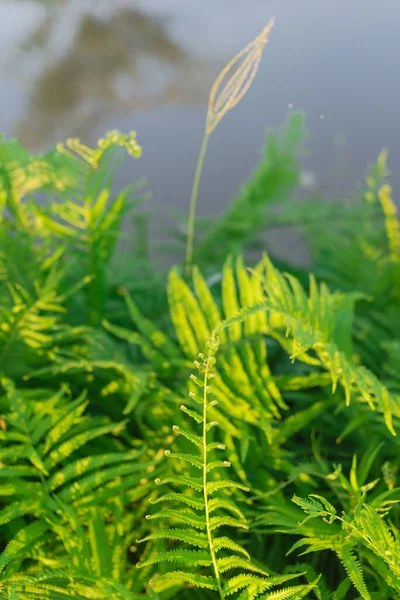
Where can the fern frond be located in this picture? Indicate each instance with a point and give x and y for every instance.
(226, 543)
(201, 581)
(32, 317)
(195, 439)
(195, 483)
(364, 526)
(243, 376)
(76, 442)
(226, 521)
(90, 463)
(314, 324)
(354, 571)
(192, 413)
(234, 562)
(185, 557)
(224, 503)
(47, 496)
(192, 501)
(189, 458)
(261, 584)
(23, 542)
(182, 535)
(212, 513)
(392, 226)
(315, 508)
(94, 156)
(178, 515)
(297, 592)
(214, 486)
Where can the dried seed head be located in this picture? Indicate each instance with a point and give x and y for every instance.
(246, 62)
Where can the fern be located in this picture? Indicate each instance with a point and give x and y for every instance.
(306, 393)
(212, 511)
(51, 487)
(31, 323)
(365, 525)
(36, 444)
(392, 227)
(54, 585)
(320, 322)
(79, 222)
(315, 323)
(91, 223)
(243, 384)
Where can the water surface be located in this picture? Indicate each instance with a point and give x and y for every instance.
(82, 67)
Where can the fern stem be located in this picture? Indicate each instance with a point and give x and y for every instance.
(207, 511)
(193, 203)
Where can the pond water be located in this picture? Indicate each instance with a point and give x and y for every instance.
(82, 67)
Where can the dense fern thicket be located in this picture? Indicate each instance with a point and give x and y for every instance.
(268, 467)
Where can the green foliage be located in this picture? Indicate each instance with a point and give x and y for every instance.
(273, 180)
(297, 392)
(65, 475)
(214, 511)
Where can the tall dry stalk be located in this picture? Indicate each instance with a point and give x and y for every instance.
(247, 62)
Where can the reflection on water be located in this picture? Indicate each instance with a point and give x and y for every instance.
(79, 67)
(123, 61)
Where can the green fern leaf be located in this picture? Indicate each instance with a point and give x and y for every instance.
(90, 463)
(354, 571)
(234, 562)
(98, 480)
(245, 580)
(183, 535)
(203, 518)
(192, 413)
(297, 592)
(67, 417)
(157, 338)
(185, 557)
(23, 542)
(214, 486)
(226, 543)
(195, 439)
(201, 581)
(19, 509)
(183, 516)
(193, 460)
(217, 464)
(225, 521)
(67, 448)
(192, 501)
(224, 503)
(206, 301)
(196, 483)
